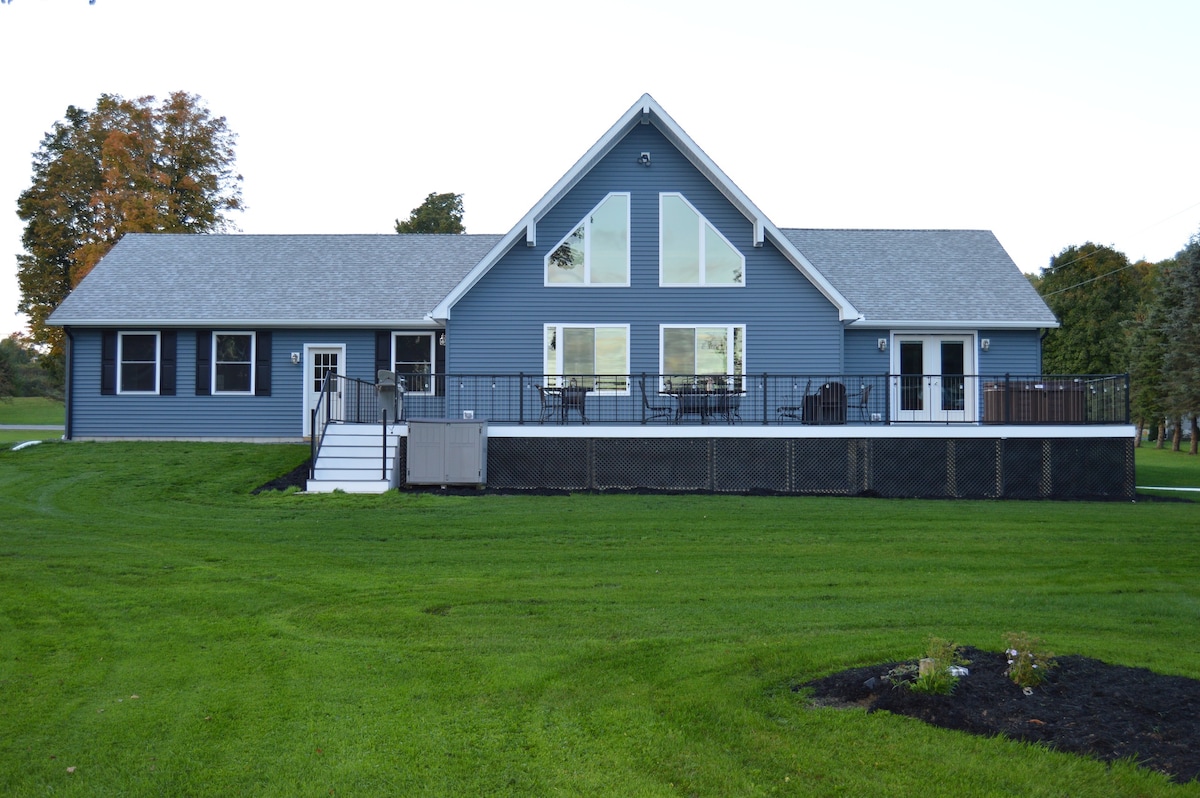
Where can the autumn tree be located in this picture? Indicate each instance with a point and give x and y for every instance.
(439, 213)
(125, 166)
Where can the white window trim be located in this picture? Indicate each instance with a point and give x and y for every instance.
(157, 362)
(558, 354)
(586, 223)
(433, 334)
(729, 335)
(703, 220)
(253, 362)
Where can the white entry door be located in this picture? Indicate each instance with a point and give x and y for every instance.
(320, 360)
(933, 378)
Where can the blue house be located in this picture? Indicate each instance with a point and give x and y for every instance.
(644, 325)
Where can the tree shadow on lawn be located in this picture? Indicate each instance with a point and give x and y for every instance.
(1086, 706)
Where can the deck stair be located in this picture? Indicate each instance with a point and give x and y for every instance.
(350, 459)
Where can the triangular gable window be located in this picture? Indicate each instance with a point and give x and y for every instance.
(596, 252)
(692, 250)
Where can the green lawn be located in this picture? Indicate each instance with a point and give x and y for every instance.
(1165, 468)
(164, 632)
(31, 410)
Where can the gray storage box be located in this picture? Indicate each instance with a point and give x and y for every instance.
(446, 452)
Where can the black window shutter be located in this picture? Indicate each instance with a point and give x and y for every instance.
(262, 363)
(203, 362)
(108, 362)
(166, 374)
(383, 351)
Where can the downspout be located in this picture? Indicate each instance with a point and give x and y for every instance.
(68, 384)
(1042, 337)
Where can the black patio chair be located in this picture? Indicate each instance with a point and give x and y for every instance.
(862, 402)
(651, 410)
(551, 403)
(795, 411)
(827, 405)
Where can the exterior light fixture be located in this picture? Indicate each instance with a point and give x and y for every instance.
(295, 357)
(644, 159)
(442, 339)
(882, 344)
(985, 344)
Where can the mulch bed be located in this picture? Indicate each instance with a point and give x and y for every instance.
(1088, 707)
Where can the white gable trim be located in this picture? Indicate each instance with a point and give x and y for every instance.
(647, 111)
(912, 325)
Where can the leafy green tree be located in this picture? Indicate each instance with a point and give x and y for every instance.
(124, 166)
(7, 388)
(1094, 291)
(439, 213)
(21, 373)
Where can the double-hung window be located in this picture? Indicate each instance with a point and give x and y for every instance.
(692, 251)
(139, 356)
(695, 353)
(233, 362)
(594, 356)
(413, 360)
(596, 252)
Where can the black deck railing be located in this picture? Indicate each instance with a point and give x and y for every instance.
(763, 399)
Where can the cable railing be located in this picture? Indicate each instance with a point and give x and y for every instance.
(763, 399)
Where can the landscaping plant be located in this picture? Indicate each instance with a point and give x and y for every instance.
(1029, 663)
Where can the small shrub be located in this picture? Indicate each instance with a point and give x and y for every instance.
(1029, 663)
(938, 676)
(903, 674)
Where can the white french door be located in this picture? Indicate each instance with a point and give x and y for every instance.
(320, 360)
(933, 378)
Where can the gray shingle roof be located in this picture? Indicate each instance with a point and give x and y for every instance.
(265, 280)
(934, 276)
(893, 277)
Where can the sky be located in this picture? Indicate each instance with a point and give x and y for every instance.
(1049, 122)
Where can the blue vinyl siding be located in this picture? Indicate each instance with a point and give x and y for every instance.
(790, 326)
(863, 357)
(1011, 352)
(186, 415)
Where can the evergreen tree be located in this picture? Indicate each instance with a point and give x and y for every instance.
(1178, 299)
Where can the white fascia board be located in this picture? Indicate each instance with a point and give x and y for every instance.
(527, 227)
(847, 313)
(647, 111)
(255, 324)
(926, 324)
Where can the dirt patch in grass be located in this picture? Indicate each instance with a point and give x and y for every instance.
(1089, 707)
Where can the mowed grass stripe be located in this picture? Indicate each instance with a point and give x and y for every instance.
(421, 644)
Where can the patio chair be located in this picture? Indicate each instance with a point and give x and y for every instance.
(652, 410)
(551, 403)
(828, 405)
(574, 397)
(862, 401)
(795, 411)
